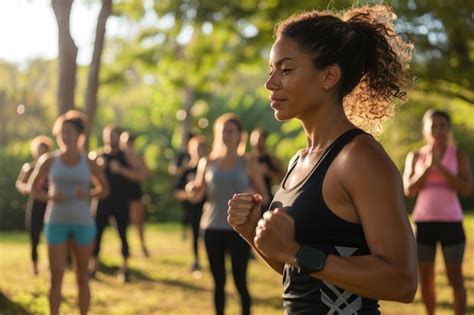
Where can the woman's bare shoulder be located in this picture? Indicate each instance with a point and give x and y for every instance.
(365, 153)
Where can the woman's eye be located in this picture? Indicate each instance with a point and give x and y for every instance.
(286, 70)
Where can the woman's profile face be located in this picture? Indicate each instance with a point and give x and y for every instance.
(230, 135)
(68, 136)
(436, 129)
(294, 83)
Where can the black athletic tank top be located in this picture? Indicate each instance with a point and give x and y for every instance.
(317, 226)
(119, 185)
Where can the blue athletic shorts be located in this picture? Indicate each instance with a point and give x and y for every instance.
(58, 233)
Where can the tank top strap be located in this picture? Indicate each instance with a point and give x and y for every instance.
(333, 150)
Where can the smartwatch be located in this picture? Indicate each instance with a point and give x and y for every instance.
(309, 259)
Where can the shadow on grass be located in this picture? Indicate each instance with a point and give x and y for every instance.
(138, 275)
(8, 307)
(275, 302)
(182, 284)
(135, 274)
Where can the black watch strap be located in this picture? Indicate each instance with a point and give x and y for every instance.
(309, 259)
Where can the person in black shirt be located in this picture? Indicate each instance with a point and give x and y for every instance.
(118, 174)
(337, 229)
(140, 170)
(192, 209)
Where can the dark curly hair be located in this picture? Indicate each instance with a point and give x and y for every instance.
(372, 57)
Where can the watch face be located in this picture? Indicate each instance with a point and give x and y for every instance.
(310, 259)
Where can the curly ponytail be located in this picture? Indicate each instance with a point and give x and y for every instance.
(372, 57)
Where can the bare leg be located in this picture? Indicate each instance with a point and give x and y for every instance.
(82, 254)
(136, 216)
(456, 280)
(428, 295)
(57, 263)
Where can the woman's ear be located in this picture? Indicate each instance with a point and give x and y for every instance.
(331, 75)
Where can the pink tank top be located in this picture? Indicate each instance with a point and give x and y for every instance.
(436, 201)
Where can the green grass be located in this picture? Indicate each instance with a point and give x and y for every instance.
(163, 283)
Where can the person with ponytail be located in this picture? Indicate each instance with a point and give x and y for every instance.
(436, 174)
(337, 228)
(225, 172)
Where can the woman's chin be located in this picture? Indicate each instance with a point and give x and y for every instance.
(281, 116)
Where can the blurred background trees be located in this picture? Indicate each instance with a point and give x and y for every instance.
(183, 63)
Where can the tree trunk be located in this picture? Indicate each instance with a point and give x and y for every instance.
(94, 68)
(186, 124)
(3, 120)
(67, 56)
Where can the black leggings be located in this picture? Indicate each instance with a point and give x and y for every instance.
(121, 218)
(217, 243)
(195, 220)
(34, 224)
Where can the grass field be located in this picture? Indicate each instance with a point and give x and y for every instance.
(163, 283)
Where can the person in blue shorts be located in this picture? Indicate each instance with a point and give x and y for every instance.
(68, 220)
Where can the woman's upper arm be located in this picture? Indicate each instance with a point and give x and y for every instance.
(408, 171)
(25, 173)
(255, 175)
(23, 177)
(409, 167)
(97, 172)
(375, 187)
(40, 171)
(201, 172)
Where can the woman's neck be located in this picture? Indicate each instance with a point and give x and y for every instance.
(439, 146)
(323, 125)
(70, 151)
(227, 152)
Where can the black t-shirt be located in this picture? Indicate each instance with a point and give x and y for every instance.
(188, 175)
(118, 184)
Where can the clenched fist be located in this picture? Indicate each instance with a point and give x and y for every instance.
(275, 236)
(244, 213)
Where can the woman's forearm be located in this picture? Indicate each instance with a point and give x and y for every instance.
(370, 276)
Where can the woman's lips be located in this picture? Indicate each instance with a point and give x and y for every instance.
(276, 102)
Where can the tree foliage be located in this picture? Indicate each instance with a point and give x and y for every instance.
(203, 58)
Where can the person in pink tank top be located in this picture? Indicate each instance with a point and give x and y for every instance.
(436, 174)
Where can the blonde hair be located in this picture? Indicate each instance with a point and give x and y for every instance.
(41, 140)
(196, 139)
(217, 144)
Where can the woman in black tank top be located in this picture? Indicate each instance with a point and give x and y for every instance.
(338, 230)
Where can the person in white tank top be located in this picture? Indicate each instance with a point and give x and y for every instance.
(68, 219)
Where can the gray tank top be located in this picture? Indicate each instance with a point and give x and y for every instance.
(67, 179)
(221, 186)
